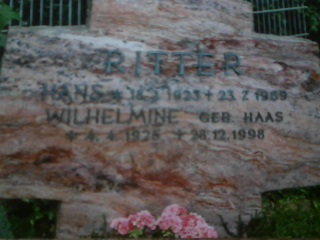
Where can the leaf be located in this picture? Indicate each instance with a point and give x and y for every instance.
(136, 233)
(6, 15)
(3, 39)
(316, 204)
(167, 234)
(51, 216)
(5, 228)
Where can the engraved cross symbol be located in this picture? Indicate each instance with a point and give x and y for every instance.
(179, 134)
(208, 94)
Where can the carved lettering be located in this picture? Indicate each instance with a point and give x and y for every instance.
(205, 67)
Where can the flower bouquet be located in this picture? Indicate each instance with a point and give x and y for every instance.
(174, 222)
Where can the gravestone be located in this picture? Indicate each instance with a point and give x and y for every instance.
(158, 102)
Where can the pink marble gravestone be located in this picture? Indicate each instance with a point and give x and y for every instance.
(158, 102)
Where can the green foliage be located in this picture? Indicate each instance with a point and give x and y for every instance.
(28, 218)
(313, 20)
(313, 14)
(293, 213)
(5, 229)
(137, 233)
(6, 15)
(168, 234)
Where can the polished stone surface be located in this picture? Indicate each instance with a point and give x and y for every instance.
(113, 144)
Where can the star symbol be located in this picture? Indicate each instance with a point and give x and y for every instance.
(116, 95)
(111, 136)
(91, 136)
(71, 135)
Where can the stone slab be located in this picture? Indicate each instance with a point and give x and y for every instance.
(198, 158)
(94, 120)
(155, 21)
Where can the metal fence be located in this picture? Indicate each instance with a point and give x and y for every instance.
(49, 12)
(280, 17)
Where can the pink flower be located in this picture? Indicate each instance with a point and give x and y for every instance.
(173, 218)
(143, 219)
(194, 226)
(210, 233)
(122, 225)
(173, 222)
(174, 209)
(194, 220)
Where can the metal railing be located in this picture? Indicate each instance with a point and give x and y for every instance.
(49, 12)
(280, 17)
